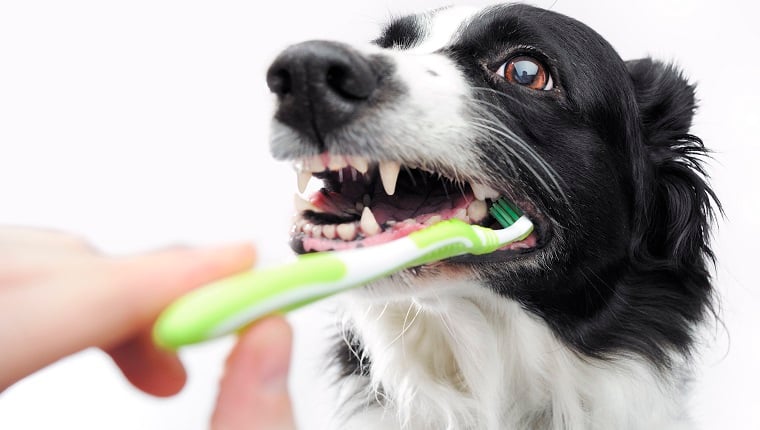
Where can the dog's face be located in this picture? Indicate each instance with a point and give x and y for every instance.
(449, 110)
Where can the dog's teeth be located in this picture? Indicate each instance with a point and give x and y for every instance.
(483, 192)
(313, 164)
(346, 231)
(359, 163)
(328, 231)
(462, 215)
(477, 210)
(298, 226)
(303, 205)
(389, 175)
(316, 231)
(307, 228)
(303, 180)
(433, 220)
(368, 223)
(337, 162)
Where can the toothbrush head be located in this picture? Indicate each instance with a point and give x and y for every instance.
(505, 212)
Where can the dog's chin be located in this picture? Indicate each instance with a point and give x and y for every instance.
(364, 203)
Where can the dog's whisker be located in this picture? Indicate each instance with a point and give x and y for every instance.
(524, 162)
(552, 176)
(382, 312)
(519, 141)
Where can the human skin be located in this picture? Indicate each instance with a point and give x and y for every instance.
(58, 296)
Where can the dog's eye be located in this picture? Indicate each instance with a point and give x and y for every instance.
(528, 72)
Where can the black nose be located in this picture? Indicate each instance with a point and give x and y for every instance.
(321, 86)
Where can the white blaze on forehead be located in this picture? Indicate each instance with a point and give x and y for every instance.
(443, 26)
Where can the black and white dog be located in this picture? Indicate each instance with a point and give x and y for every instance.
(590, 322)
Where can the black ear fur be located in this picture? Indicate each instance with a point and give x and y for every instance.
(680, 202)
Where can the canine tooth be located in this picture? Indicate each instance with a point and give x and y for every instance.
(303, 180)
(328, 231)
(346, 231)
(483, 192)
(358, 163)
(337, 162)
(303, 205)
(477, 210)
(313, 164)
(369, 224)
(389, 175)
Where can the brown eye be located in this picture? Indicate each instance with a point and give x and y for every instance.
(528, 72)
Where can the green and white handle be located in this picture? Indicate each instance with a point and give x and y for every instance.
(226, 306)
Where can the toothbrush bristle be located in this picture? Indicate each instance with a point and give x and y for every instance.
(505, 212)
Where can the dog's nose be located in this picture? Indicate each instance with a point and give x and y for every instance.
(320, 86)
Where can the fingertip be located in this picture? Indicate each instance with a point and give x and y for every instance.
(254, 389)
(150, 369)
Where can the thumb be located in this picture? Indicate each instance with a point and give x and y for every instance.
(254, 389)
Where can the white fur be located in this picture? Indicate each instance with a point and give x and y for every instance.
(442, 28)
(456, 356)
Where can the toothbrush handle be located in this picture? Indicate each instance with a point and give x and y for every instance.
(227, 305)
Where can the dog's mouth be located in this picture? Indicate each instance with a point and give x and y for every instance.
(365, 203)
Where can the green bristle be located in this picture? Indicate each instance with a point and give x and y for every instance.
(505, 212)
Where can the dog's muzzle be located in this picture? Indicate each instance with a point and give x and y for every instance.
(320, 85)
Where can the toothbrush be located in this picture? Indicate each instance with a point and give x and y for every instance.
(230, 304)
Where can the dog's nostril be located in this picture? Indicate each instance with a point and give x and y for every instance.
(342, 80)
(322, 86)
(350, 81)
(279, 82)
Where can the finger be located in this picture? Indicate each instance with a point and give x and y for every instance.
(253, 392)
(149, 368)
(102, 302)
(147, 284)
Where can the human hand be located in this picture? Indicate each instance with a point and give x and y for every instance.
(59, 296)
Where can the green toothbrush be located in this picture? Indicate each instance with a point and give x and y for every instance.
(227, 305)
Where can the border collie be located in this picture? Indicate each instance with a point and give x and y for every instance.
(591, 321)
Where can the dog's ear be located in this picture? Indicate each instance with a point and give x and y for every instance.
(679, 200)
(665, 98)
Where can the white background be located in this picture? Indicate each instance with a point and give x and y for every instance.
(143, 124)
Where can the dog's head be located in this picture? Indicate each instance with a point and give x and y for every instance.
(449, 110)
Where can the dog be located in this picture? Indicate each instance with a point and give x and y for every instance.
(588, 323)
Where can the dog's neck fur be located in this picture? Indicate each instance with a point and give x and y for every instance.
(482, 362)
